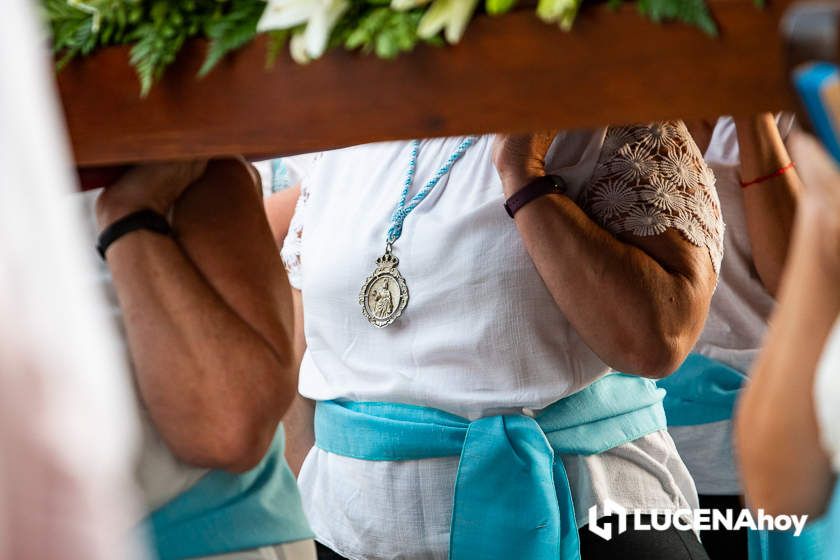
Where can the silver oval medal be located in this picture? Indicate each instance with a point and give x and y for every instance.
(384, 293)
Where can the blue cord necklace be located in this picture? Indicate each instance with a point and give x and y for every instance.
(384, 294)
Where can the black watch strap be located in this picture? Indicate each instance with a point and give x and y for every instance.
(549, 184)
(142, 219)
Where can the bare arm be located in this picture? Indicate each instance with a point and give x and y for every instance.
(771, 205)
(299, 420)
(776, 427)
(638, 302)
(279, 207)
(212, 358)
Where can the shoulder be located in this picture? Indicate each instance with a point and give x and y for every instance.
(651, 178)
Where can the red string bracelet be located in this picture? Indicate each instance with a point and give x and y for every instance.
(763, 178)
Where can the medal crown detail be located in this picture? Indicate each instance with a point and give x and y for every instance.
(387, 260)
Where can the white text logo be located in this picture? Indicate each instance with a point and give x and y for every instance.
(687, 520)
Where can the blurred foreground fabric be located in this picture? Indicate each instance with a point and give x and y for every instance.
(68, 431)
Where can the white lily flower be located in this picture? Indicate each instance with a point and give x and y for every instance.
(450, 15)
(562, 12)
(320, 16)
(405, 5)
(297, 48)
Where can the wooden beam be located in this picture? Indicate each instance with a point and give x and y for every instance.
(509, 73)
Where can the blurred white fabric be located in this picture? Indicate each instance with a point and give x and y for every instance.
(827, 396)
(68, 432)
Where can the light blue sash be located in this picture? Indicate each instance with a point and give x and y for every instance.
(832, 526)
(784, 545)
(812, 82)
(703, 391)
(512, 498)
(225, 512)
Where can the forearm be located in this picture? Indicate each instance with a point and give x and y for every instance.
(770, 206)
(299, 420)
(223, 231)
(634, 314)
(785, 469)
(299, 424)
(197, 363)
(280, 207)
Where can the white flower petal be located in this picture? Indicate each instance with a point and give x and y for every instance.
(297, 48)
(404, 5)
(460, 15)
(284, 14)
(435, 18)
(320, 26)
(559, 11)
(451, 15)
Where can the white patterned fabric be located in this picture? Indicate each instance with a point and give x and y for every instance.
(652, 177)
(298, 168)
(290, 253)
(737, 316)
(481, 335)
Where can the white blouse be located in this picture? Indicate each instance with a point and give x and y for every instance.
(737, 319)
(481, 334)
(827, 396)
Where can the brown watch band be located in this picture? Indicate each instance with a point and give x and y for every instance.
(549, 184)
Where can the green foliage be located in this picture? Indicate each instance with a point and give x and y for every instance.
(159, 39)
(380, 30)
(80, 28)
(157, 29)
(231, 30)
(496, 7)
(692, 12)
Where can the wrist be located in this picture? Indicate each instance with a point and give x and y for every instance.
(760, 144)
(781, 170)
(534, 189)
(515, 180)
(110, 207)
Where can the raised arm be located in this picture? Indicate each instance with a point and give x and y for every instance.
(777, 435)
(204, 314)
(638, 295)
(769, 206)
(285, 215)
